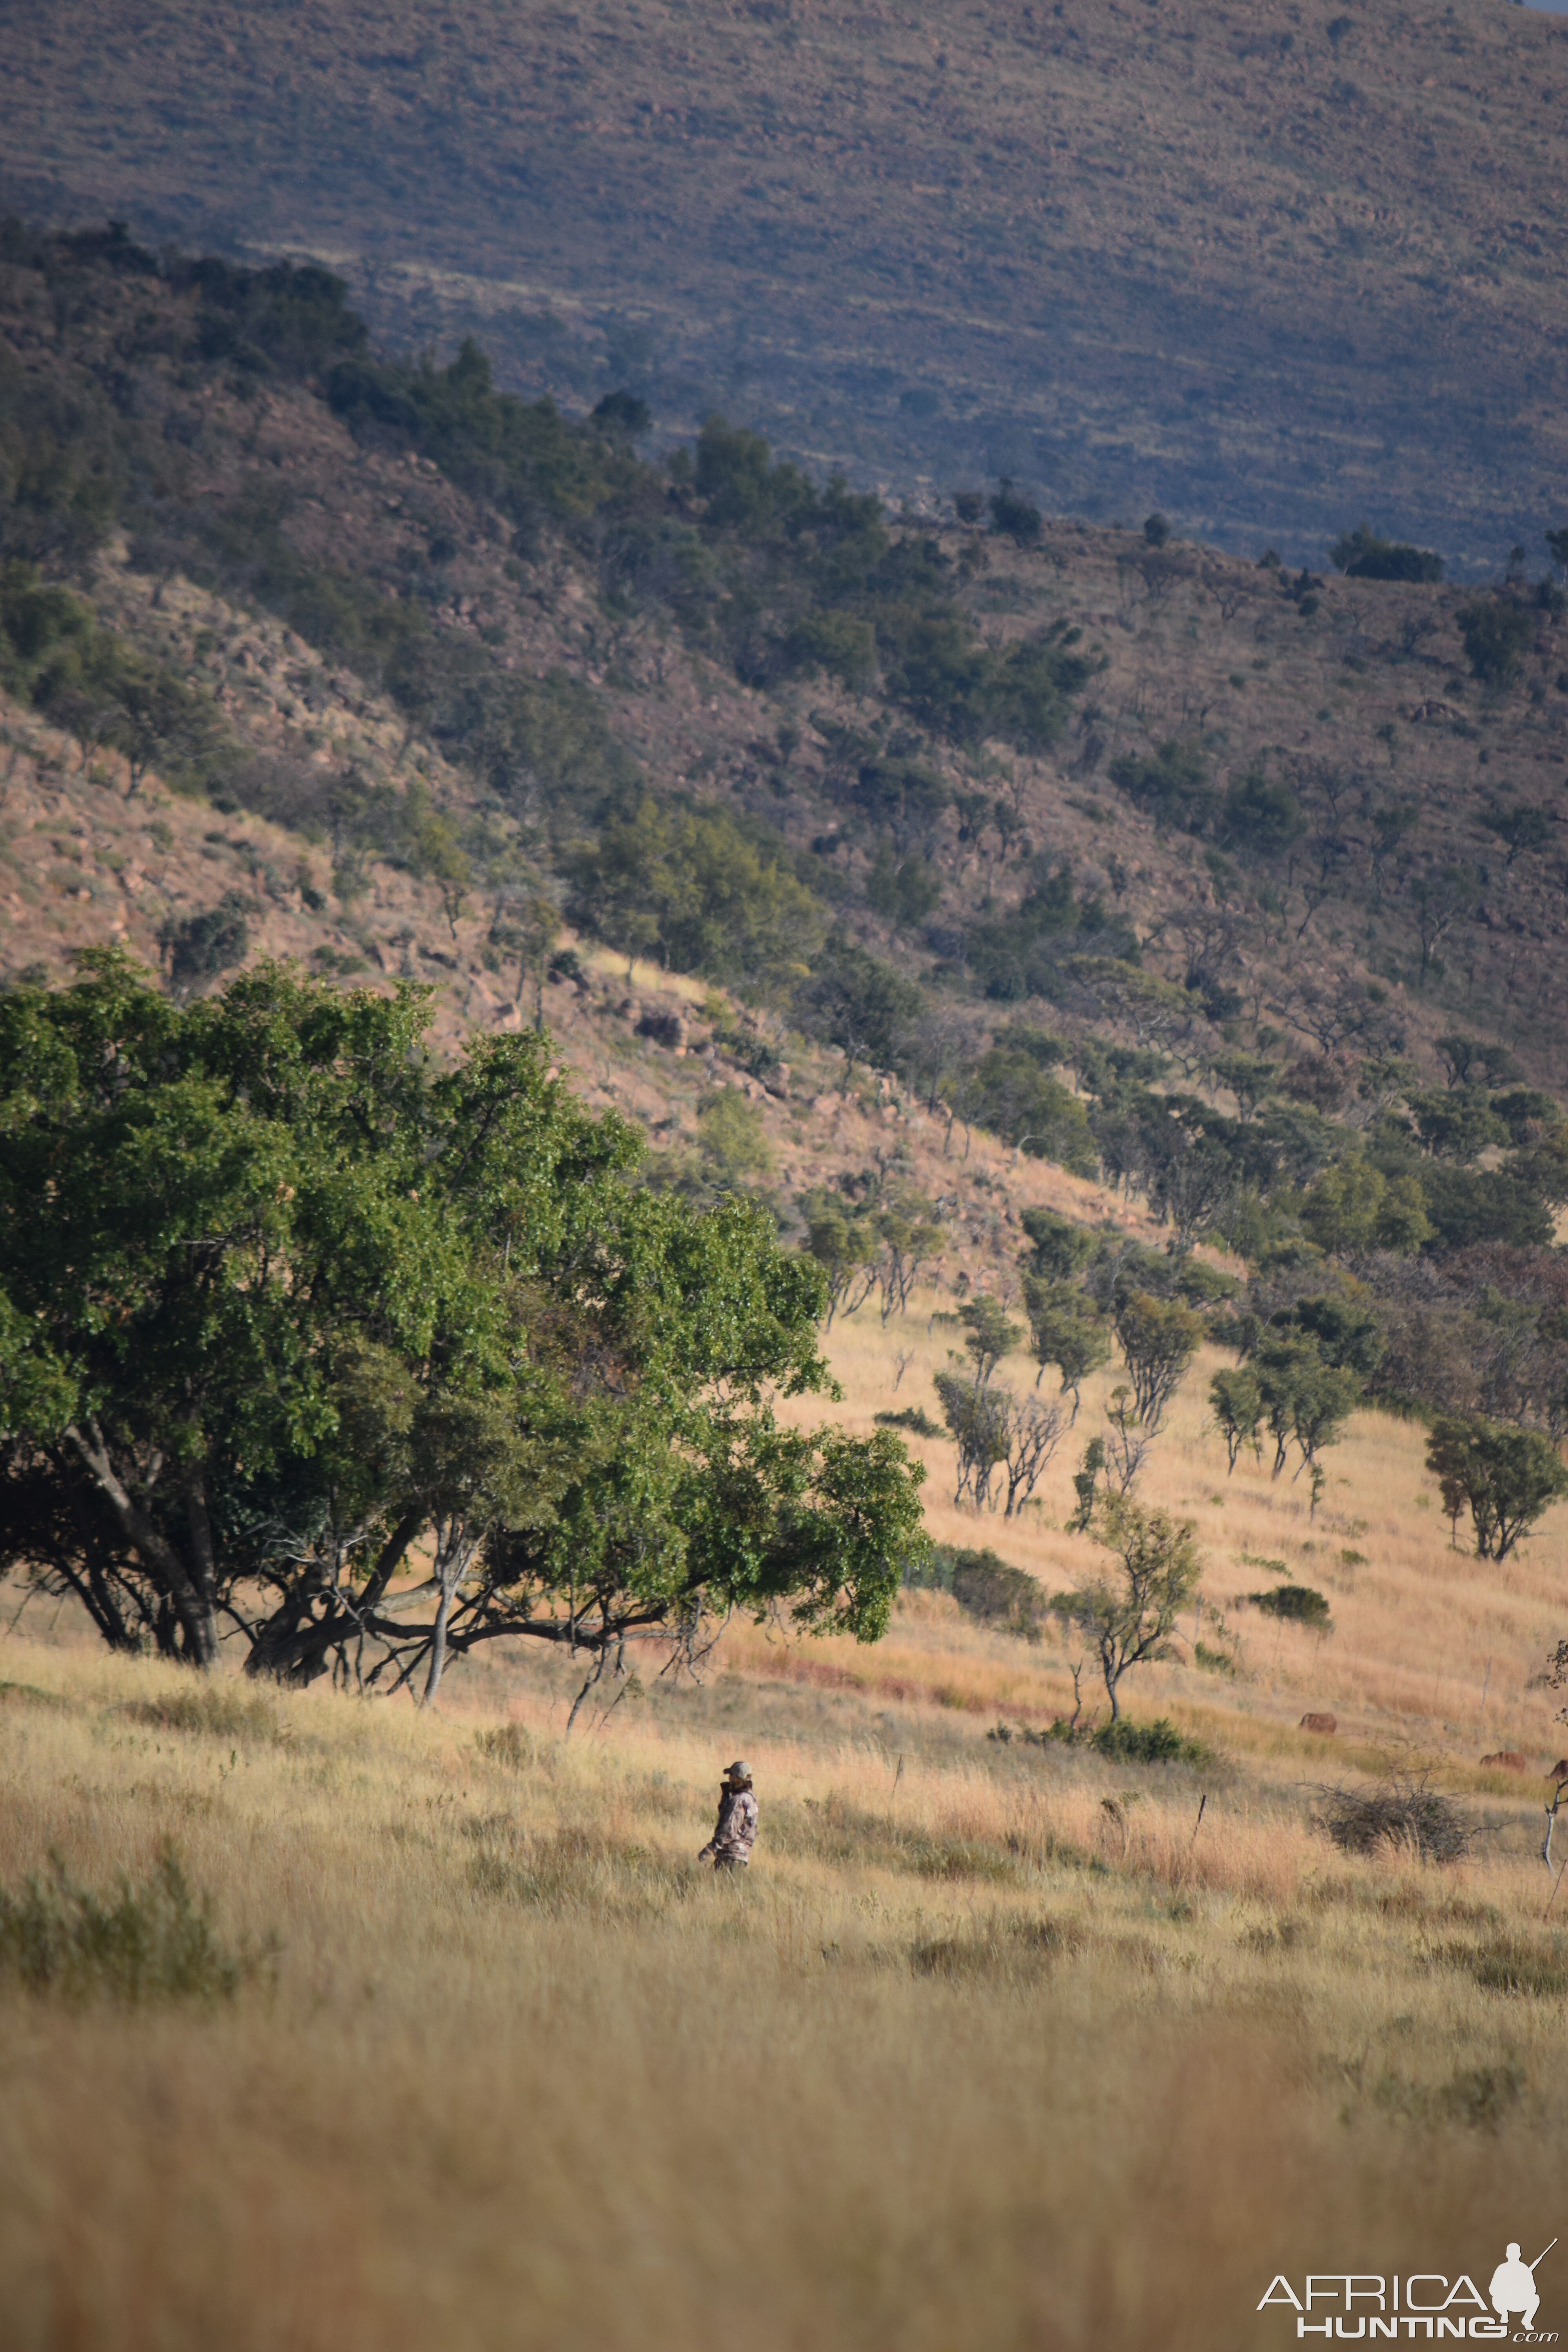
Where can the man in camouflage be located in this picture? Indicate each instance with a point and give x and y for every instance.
(730, 1847)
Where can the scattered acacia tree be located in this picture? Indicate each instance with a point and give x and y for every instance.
(1236, 1403)
(523, 930)
(1498, 633)
(1158, 1339)
(281, 1300)
(995, 1431)
(1128, 1613)
(991, 1334)
(844, 1246)
(1065, 1331)
(1504, 1477)
(976, 1418)
(908, 1235)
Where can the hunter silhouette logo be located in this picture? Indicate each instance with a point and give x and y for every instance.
(1357, 2306)
(1513, 2290)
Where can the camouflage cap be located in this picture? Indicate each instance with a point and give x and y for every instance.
(740, 1773)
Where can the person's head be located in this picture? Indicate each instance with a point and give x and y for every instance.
(1513, 2252)
(738, 1775)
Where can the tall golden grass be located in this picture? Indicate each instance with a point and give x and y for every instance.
(996, 2046)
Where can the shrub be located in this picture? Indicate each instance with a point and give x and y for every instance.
(1401, 1813)
(1294, 1604)
(912, 1417)
(217, 1712)
(1497, 633)
(1360, 554)
(202, 946)
(507, 1743)
(150, 1941)
(1013, 516)
(987, 1588)
(1159, 1742)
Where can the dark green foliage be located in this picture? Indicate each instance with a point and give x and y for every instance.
(288, 1295)
(904, 892)
(1505, 1477)
(997, 1595)
(623, 413)
(1259, 819)
(698, 890)
(1013, 516)
(1014, 1095)
(289, 319)
(1472, 1205)
(1498, 633)
(986, 1587)
(859, 1004)
(521, 455)
(54, 655)
(1173, 786)
(1360, 554)
(1522, 830)
(1294, 1604)
(1159, 1742)
(912, 1417)
(1029, 952)
(1156, 530)
(151, 1941)
(199, 947)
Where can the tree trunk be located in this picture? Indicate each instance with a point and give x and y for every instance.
(191, 1596)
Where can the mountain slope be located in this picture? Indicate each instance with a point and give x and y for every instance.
(1267, 270)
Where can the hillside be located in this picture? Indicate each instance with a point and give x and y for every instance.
(1267, 270)
(1192, 882)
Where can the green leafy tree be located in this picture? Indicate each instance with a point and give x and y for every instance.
(1498, 633)
(1504, 1477)
(1354, 1208)
(1128, 1614)
(910, 1234)
(201, 947)
(991, 1334)
(859, 1004)
(690, 886)
(1522, 830)
(1158, 1339)
(1066, 1331)
(1236, 1402)
(733, 1137)
(1305, 1399)
(844, 1248)
(524, 930)
(280, 1298)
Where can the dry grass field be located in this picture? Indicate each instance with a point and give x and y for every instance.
(997, 2046)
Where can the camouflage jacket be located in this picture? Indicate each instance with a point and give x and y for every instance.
(737, 1830)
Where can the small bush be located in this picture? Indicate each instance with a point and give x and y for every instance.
(1159, 1742)
(984, 1586)
(912, 1417)
(1403, 1813)
(1008, 1948)
(1508, 1964)
(1296, 1604)
(153, 1941)
(507, 1743)
(219, 1714)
